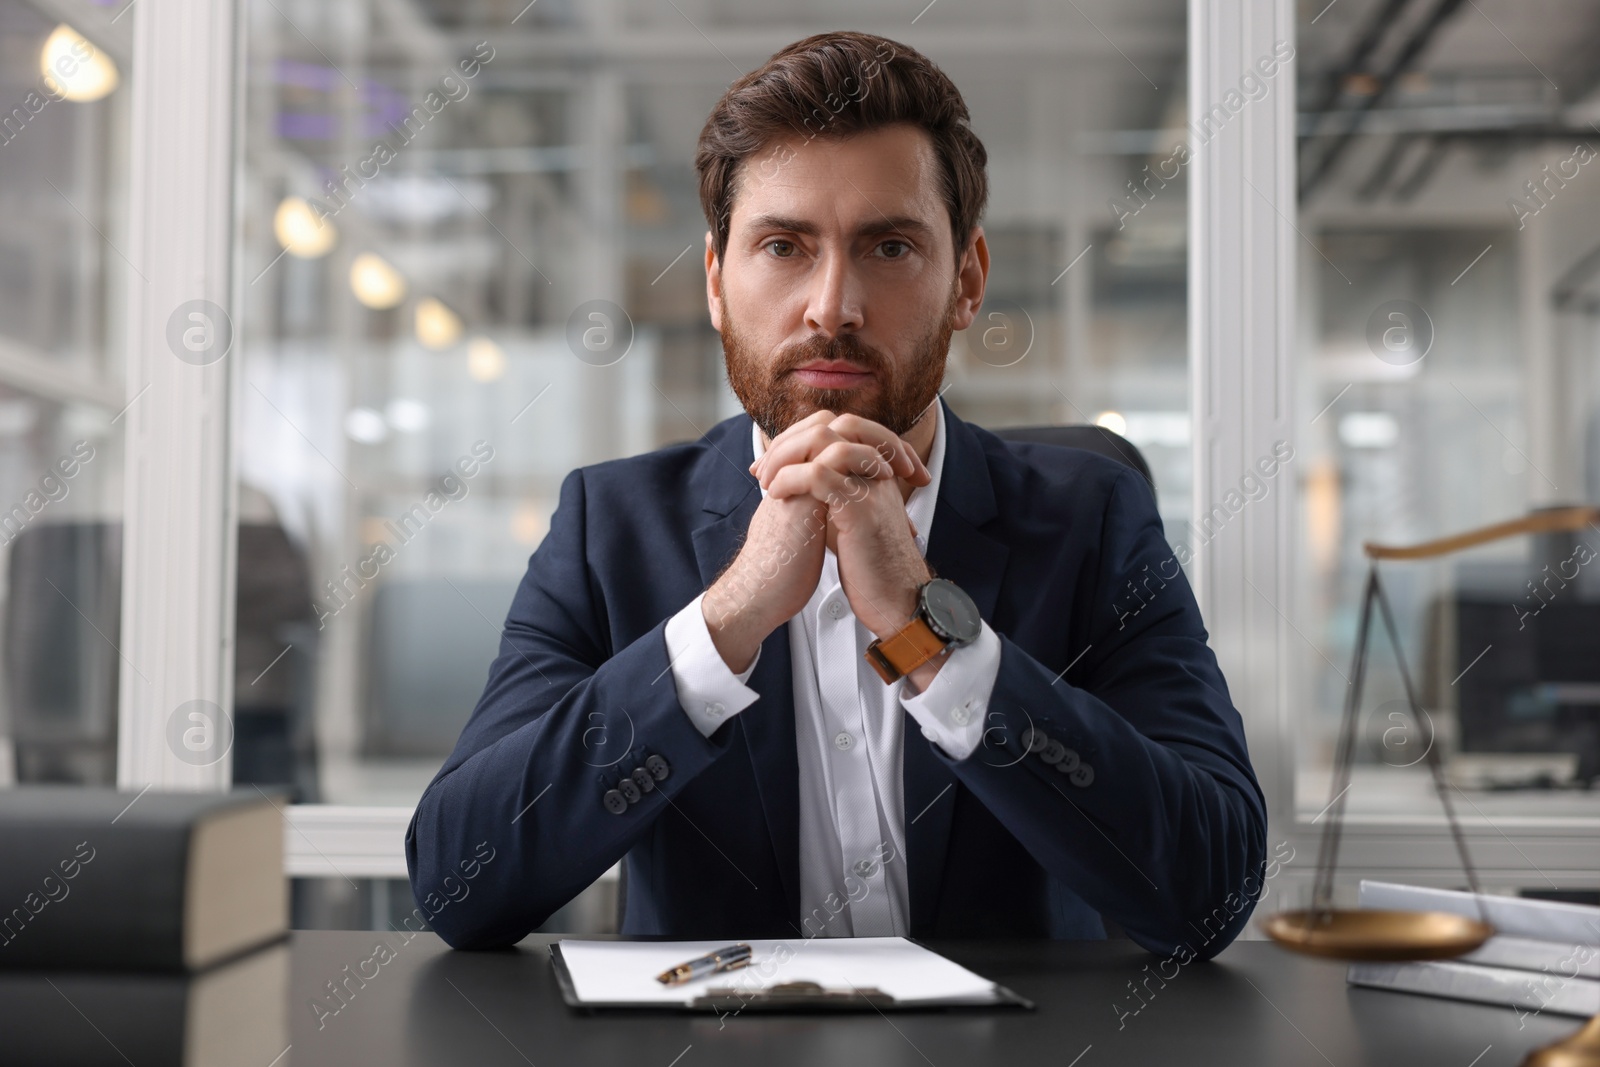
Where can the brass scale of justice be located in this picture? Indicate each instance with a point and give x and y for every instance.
(1400, 936)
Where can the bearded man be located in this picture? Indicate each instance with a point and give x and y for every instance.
(848, 665)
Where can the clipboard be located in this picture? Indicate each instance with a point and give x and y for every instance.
(791, 997)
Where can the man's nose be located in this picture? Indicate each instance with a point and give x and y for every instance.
(834, 299)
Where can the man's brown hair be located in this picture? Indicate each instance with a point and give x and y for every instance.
(835, 85)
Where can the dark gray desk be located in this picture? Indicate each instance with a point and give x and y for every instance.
(1253, 1005)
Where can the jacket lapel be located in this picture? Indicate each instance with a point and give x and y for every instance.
(958, 549)
(731, 498)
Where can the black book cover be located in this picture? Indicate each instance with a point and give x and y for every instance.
(233, 1015)
(95, 878)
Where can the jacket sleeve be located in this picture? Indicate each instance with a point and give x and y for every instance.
(1126, 774)
(530, 807)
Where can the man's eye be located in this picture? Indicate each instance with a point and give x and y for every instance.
(781, 249)
(901, 245)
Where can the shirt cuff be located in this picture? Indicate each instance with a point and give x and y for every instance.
(952, 709)
(708, 691)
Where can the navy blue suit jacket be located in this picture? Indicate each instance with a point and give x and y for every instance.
(1103, 649)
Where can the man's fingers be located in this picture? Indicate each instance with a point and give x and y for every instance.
(817, 480)
(847, 459)
(822, 445)
(817, 418)
(896, 450)
(807, 439)
(799, 448)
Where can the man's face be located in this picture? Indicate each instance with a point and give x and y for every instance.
(839, 287)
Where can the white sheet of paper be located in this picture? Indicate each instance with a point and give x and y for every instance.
(624, 972)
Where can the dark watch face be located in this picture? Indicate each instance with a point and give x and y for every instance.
(951, 612)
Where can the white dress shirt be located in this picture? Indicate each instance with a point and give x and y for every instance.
(848, 733)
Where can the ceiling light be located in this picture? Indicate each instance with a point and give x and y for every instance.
(1113, 421)
(375, 283)
(73, 68)
(1369, 429)
(365, 426)
(437, 326)
(485, 361)
(300, 231)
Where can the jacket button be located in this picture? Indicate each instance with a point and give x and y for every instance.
(614, 801)
(1053, 752)
(1034, 739)
(629, 790)
(658, 767)
(1083, 776)
(642, 779)
(1069, 761)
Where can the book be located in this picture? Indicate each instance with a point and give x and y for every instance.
(1506, 986)
(96, 879)
(1544, 955)
(235, 1014)
(1530, 934)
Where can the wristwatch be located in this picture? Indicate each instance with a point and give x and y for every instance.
(946, 617)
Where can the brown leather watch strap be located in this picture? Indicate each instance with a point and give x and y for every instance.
(899, 654)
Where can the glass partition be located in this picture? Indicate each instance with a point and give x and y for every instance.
(440, 209)
(1450, 280)
(64, 70)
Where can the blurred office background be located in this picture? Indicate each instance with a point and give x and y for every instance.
(402, 309)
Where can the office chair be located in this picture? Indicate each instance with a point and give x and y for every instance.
(1090, 438)
(63, 611)
(275, 641)
(63, 619)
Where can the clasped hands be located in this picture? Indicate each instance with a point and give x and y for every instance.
(832, 481)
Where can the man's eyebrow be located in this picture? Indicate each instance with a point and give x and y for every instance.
(905, 224)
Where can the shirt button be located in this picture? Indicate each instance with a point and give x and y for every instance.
(835, 608)
(842, 741)
(716, 709)
(962, 714)
(865, 868)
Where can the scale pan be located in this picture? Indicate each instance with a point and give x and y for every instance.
(1377, 935)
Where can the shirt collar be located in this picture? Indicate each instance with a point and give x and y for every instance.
(924, 499)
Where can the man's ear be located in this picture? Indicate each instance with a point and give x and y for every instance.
(972, 278)
(713, 283)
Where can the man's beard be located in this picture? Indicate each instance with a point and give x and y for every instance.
(776, 399)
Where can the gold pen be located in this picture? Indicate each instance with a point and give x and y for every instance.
(730, 958)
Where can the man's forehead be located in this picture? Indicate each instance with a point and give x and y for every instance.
(848, 183)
